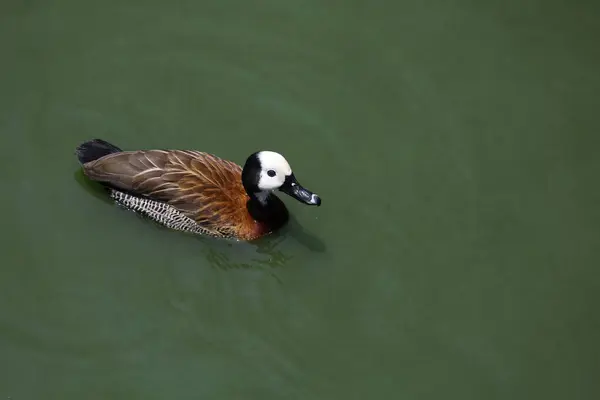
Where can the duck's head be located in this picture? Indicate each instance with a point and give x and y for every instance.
(266, 171)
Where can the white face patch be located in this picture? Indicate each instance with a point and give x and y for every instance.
(273, 170)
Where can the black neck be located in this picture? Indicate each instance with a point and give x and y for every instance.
(272, 210)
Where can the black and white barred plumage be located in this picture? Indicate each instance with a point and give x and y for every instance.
(162, 213)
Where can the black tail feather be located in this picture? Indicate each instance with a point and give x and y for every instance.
(95, 149)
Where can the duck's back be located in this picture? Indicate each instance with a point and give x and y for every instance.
(183, 190)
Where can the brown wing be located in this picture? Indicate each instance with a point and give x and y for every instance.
(203, 186)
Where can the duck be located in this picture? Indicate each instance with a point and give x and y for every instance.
(197, 192)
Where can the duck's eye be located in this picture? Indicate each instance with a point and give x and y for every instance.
(271, 173)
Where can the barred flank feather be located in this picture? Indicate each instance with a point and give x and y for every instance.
(161, 213)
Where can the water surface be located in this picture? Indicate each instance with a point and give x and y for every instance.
(454, 145)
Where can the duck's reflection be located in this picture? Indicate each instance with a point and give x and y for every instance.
(267, 253)
(306, 238)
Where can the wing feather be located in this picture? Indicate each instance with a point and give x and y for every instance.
(203, 186)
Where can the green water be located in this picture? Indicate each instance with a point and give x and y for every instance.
(454, 144)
